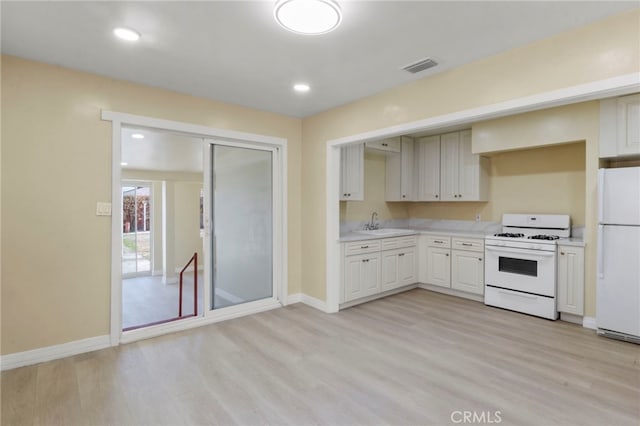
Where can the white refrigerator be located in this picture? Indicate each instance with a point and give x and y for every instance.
(618, 288)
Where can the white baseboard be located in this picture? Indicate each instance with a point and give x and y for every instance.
(35, 356)
(294, 298)
(589, 322)
(320, 305)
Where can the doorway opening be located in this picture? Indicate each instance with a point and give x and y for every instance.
(244, 243)
(136, 229)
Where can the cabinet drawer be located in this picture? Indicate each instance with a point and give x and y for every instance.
(399, 242)
(361, 247)
(468, 244)
(438, 241)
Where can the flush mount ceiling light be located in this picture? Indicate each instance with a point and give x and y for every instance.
(124, 163)
(308, 16)
(126, 34)
(301, 87)
(137, 136)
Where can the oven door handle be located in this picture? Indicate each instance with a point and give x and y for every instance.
(511, 251)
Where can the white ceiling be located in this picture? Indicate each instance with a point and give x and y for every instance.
(234, 51)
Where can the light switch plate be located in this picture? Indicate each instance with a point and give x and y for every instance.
(103, 209)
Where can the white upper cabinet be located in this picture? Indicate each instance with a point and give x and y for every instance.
(427, 168)
(463, 175)
(620, 126)
(352, 173)
(399, 174)
(386, 145)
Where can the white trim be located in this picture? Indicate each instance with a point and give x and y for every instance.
(615, 86)
(378, 296)
(276, 144)
(589, 322)
(48, 353)
(307, 300)
(294, 298)
(314, 303)
(188, 323)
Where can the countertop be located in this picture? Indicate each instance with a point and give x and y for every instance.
(357, 236)
(576, 242)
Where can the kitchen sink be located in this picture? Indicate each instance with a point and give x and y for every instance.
(385, 231)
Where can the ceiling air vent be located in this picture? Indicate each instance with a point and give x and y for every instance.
(421, 65)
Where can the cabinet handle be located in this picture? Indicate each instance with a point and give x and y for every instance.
(348, 195)
(364, 247)
(384, 144)
(365, 260)
(344, 195)
(459, 195)
(438, 242)
(436, 195)
(404, 196)
(447, 254)
(480, 259)
(455, 195)
(562, 253)
(467, 244)
(401, 254)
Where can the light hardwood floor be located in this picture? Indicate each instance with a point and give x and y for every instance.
(410, 359)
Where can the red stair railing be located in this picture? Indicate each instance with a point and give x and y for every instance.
(193, 259)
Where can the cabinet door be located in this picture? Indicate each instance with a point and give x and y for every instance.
(390, 271)
(628, 124)
(427, 168)
(362, 276)
(467, 271)
(469, 170)
(438, 266)
(407, 267)
(571, 280)
(352, 172)
(449, 166)
(399, 173)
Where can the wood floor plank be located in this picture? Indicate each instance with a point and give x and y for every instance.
(415, 358)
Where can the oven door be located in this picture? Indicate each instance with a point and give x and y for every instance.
(531, 271)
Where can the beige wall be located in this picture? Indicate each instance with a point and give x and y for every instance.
(602, 50)
(374, 188)
(56, 164)
(187, 222)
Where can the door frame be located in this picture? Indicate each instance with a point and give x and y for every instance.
(120, 119)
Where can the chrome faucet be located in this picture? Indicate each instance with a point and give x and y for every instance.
(373, 224)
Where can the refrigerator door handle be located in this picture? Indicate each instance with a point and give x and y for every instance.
(600, 251)
(601, 173)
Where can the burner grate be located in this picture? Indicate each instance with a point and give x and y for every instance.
(544, 237)
(508, 235)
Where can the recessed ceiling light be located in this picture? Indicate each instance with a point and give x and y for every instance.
(301, 87)
(137, 136)
(308, 16)
(127, 34)
(124, 164)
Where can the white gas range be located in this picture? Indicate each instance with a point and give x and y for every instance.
(520, 263)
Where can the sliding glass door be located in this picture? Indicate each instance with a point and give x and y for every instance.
(242, 224)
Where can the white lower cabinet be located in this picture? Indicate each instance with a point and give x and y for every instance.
(370, 269)
(453, 262)
(467, 271)
(571, 279)
(398, 268)
(362, 275)
(439, 266)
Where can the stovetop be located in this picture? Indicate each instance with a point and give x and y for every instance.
(545, 237)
